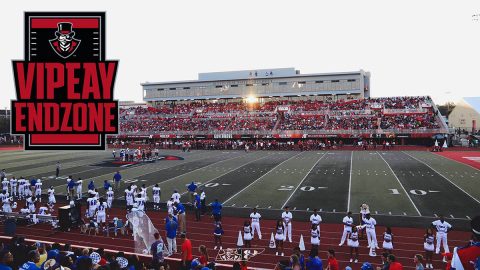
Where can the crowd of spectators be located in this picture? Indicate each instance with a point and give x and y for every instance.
(18, 254)
(361, 114)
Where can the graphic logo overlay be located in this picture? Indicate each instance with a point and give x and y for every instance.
(64, 86)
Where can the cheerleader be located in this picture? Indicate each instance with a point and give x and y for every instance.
(315, 236)
(352, 242)
(429, 239)
(217, 233)
(387, 240)
(51, 195)
(247, 234)
(279, 237)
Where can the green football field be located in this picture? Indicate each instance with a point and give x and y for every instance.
(396, 183)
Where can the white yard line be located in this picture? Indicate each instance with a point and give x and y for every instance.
(443, 177)
(350, 183)
(273, 169)
(406, 193)
(303, 179)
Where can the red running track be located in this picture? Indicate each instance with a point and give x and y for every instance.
(407, 241)
(471, 158)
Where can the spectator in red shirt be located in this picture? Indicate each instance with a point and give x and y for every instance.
(332, 261)
(394, 265)
(187, 256)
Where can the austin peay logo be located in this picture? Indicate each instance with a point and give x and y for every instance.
(64, 86)
(64, 44)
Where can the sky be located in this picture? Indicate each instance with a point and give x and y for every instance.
(410, 47)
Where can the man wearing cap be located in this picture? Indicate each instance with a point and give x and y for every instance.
(466, 257)
(181, 217)
(191, 190)
(171, 226)
(216, 210)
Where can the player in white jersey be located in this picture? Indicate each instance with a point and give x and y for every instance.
(388, 240)
(27, 188)
(255, 216)
(316, 219)
(21, 194)
(140, 201)
(7, 207)
(96, 193)
(287, 223)
(347, 227)
(13, 186)
(25, 210)
(3, 195)
(170, 206)
(176, 196)
(442, 227)
(129, 196)
(5, 184)
(101, 212)
(109, 197)
(43, 210)
(31, 204)
(38, 190)
(92, 206)
(143, 192)
(370, 223)
(156, 197)
(51, 195)
(69, 179)
(79, 186)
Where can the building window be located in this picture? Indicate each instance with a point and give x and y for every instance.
(249, 84)
(264, 84)
(351, 80)
(335, 81)
(282, 83)
(173, 88)
(186, 87)
(160, 89)
(318, 81)
(302, 82)
(218, 86)
(234, 85)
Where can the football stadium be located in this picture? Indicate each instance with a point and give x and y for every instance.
(262, 169)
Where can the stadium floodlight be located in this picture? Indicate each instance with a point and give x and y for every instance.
(251, 99)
